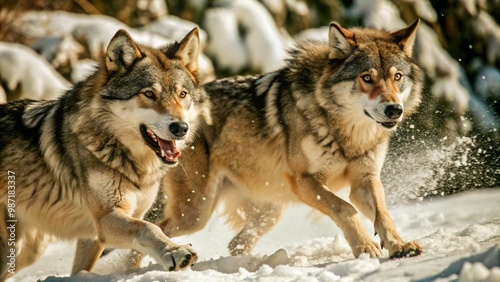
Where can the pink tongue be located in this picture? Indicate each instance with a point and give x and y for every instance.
(167, 146)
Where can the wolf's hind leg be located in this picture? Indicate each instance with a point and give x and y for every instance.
(367, 194)
(258, 218)
(87, 253)
(186, 214)
(191, 196)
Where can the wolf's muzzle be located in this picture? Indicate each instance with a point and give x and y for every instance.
(393, 111)
(179, 128)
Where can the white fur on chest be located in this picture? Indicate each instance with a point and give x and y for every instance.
(323, 159)
(141, 200)
(115, 190)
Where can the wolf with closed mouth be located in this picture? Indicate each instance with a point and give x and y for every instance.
(89, 165)
(300, 134)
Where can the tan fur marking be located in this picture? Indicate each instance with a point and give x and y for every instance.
(378, 89)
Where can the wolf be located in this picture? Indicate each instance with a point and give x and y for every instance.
(89, 165)
(299, 134)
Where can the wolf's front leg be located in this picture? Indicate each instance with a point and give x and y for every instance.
(119, 230)
(367, 194)
(258, 218)
(311, 191)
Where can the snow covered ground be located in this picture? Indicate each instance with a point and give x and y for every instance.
(460, 235)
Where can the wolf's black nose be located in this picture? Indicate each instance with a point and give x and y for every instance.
(179, 128)
(393, 111)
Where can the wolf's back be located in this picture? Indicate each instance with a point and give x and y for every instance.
(12, 127)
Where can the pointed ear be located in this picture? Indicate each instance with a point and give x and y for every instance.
(341, 41)
(189, 49)
(122, 52)
(405, 37)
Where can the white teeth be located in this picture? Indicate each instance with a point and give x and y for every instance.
(152, 135)
(162, 153)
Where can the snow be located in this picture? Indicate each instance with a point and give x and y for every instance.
(32, 73)
(222, 26)
(460, 235)
(244, 34)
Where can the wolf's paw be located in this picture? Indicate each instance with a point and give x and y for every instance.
(179, 259)
(408, 249)
(239, 246)
(371, 248)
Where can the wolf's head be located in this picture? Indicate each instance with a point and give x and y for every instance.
(148, 98)
(375, 71)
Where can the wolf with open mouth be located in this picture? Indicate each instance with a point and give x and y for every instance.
(88, 166)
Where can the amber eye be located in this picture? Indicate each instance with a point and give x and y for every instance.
(149, 94)
(398, 76)
(183, 93)
(367, 78)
